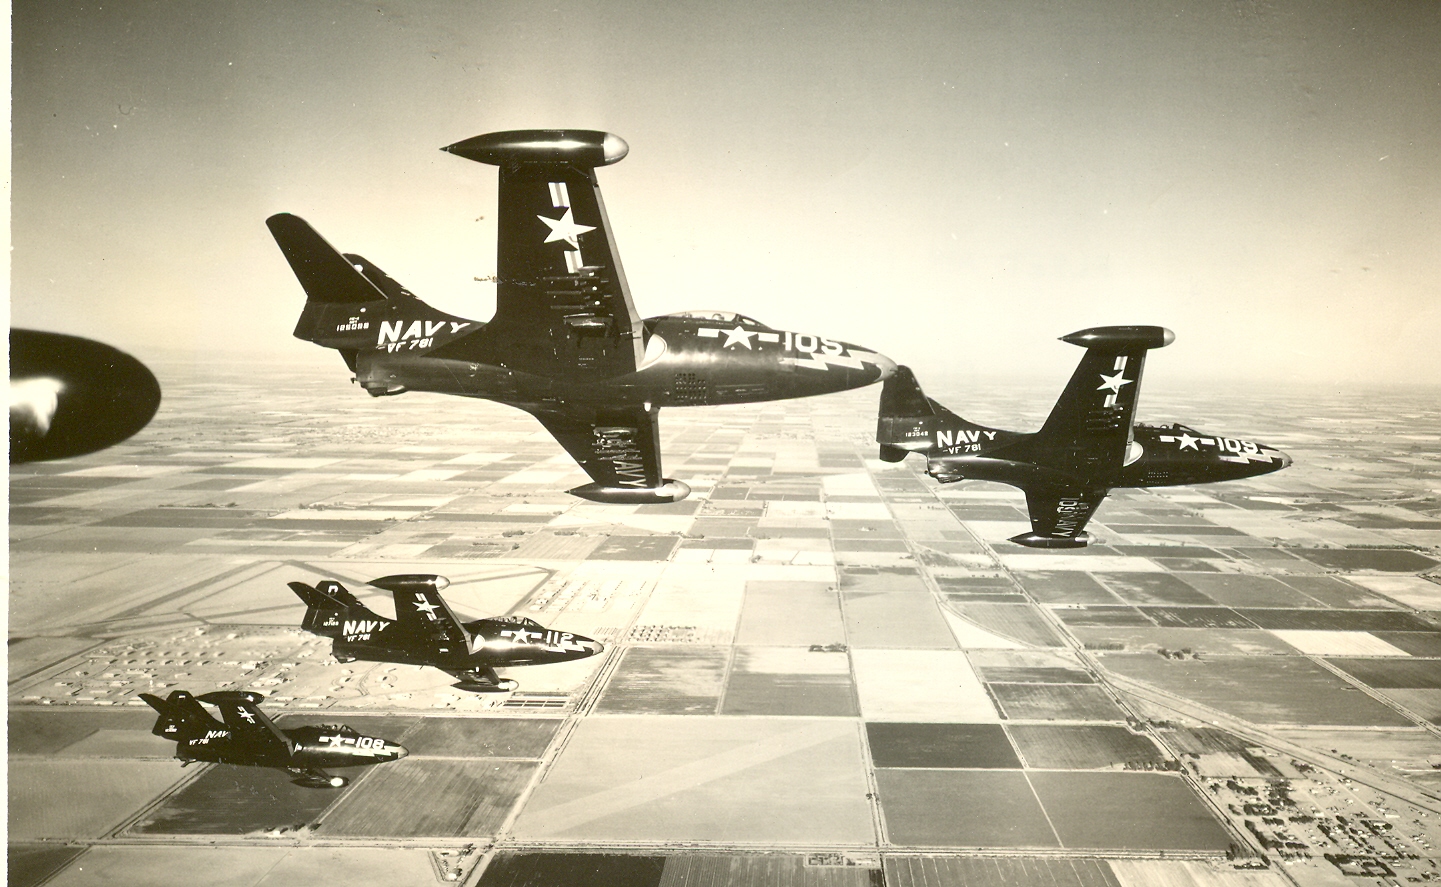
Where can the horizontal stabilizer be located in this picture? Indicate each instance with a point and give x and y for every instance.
(324, 274)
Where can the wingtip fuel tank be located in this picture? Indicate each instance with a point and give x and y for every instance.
(582, 147)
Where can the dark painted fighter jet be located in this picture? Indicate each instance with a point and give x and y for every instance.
(566, 344)
(248, 737)
(426, 632)
(71, 396)
(1087, 446)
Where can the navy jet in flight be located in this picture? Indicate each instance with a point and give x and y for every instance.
(71, 396)
(250, 738)
(565, 344)
(426, 632)
(1086, 447)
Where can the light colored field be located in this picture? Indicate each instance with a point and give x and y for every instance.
(763, 780)
(1337, 643)
(1159, 873)
(1413, 591)
(789, 660)
(705, 596)
(121, 744)
(900, 619)
(97, 795)
(430, 798)
(162, 866)
(936, 686)
(972, 637)
(777, 613)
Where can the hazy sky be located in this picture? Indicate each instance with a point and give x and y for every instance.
(953, 183)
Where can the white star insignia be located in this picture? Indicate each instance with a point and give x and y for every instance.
(426, 607)
(1188, 442)
(739, 335)
(249, 718)
(1113, 383)
(520, 635)
(565, 228)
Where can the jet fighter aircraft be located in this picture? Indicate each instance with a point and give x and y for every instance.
(1087, 446)
(426, 632)
(566, 344)
(249, 737)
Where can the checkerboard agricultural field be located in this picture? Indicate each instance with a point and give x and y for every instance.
(820, 669)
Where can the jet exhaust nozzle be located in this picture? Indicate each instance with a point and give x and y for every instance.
(668, 491)
(403, 582)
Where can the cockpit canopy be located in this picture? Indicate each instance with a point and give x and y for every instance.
(517, 620)
(1173, 426)
(342, 729)
(719, 317)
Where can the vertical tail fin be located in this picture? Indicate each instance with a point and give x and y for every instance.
(1089, 429)
(330, 606)
(181, 717)
(911, 422)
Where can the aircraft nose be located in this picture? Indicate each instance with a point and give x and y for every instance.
(400, 751)
(592, 647)
(1285, 459)
(887, 366)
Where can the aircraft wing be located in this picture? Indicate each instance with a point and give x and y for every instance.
(1059, 516)
(619, 449)
(246, 722)
(1088, 433)
(562, 303)
(423, 613)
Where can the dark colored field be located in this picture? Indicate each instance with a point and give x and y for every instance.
(987, 512)
(1175, 530)
(229, 800)
(1154, 588)
(186, 518)
(1186, 565)
(940, 745)
(1170, 552)
(1054, 702)
(789, 694)
(1399, 674)
(1264, 690)
(1012, 674)
(548, 869)
(635, 548)
(1417, 643)
(1389, 560)
(28, 865)
(1210, 740)
(1338, 620)
(481, 737)
(1082, 747)
(770, 870)
(1332, 591)
(1233, 590)
(970, 871)
(723, 543)
(1124, 616)
(1127, 811)
(41, 732)
(1196, 617)
(882, 579)
(868, 545)
(962, 809)
(1019, 622)
(666, 680)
